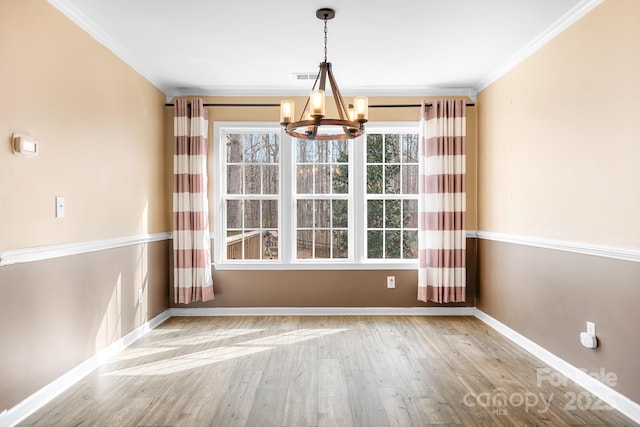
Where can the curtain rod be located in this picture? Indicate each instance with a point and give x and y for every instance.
(277, 105)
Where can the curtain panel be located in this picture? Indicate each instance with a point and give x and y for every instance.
(192, 277)
(442, 202)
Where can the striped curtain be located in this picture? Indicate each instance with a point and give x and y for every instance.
(192, 279)
(441, 203)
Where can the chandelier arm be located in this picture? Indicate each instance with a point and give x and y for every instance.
(305, 108)
(312, 131)
(309, 97)
(306, 104)
(317, 78)
(323, 74)
(343, 112)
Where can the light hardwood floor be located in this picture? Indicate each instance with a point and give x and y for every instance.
(324, 371)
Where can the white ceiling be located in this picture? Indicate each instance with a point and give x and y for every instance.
(377, 47)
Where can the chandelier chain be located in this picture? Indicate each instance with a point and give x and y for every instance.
(325, 38)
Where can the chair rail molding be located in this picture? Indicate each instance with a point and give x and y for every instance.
(40, 253)
(624, 254)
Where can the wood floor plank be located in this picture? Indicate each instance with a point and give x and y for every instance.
(268, 407)
(277, 372)
(322, 371)
(334, 407)
(365, 400)
(406, 407)
(301, 407)
(236, 403)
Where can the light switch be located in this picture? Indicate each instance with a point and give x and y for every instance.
(59, 207)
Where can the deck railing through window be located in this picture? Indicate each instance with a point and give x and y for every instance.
(252, 246)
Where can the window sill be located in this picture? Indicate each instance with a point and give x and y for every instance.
(413, 265)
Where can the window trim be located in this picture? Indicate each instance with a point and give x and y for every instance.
(219, 190)
(387, 128)
(349, 197)
(286, 215)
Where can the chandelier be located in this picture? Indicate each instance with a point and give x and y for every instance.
(350, 120)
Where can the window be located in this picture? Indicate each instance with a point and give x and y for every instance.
(282, 201)
(392, 195)
(251, 198)
(322, 199)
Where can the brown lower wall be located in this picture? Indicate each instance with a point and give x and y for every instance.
(325, 288)
(57, 313)
(549, 295)
(60, 312)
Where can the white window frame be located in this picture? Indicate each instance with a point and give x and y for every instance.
(385, 128)
(329, 196)
(287, 208)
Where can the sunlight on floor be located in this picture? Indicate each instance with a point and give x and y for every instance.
(212, 336)
(189, 361)
(294, 336)
(166, 331)
(135, 353)
(214, 355)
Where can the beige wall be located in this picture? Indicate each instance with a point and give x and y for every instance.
(100, 127)
(559, 136)
(558, 158)
(354, 288)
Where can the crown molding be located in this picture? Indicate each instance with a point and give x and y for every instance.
(349, 91)
(564, 22)
(88, 25)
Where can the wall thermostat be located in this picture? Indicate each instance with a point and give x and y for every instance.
(24, 145)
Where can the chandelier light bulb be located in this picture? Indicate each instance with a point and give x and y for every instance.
(287, 111)
(352, 113)
(317, 103)
(361, 107)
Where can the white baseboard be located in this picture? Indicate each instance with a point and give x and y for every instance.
(618, 401)
(324, 311)
(608, 395)
(43, 396)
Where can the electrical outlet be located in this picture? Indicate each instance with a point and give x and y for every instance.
(391, 282)
(591, 328)
(139, 295)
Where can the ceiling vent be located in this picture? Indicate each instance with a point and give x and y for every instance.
(305, 76)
